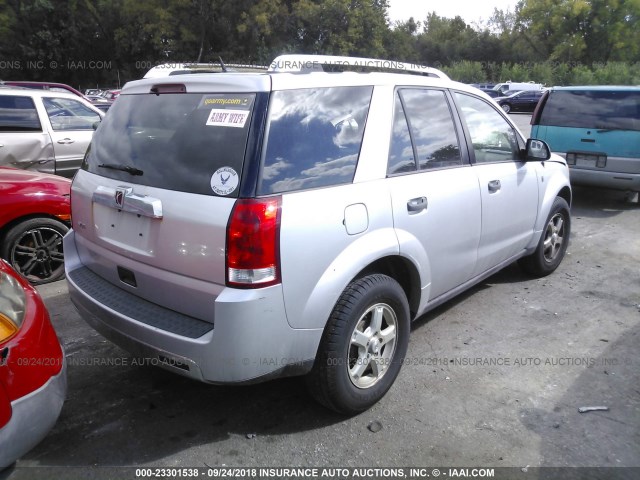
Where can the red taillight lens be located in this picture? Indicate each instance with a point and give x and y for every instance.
(253, 243)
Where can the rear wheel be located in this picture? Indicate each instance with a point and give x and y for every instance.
(553, 242)
(506, 107)
(34, 249)
(363, 346)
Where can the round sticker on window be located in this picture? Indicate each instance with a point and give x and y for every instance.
(224, 181)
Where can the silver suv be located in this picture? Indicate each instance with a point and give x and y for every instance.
(238, 227)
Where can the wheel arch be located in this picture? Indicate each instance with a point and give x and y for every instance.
(565, 193)
(403, 271)
(12, 223)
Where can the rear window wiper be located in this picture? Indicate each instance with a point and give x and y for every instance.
(125, 168)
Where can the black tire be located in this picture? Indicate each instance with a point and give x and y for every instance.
(349, 375)
(506, 108)
(553, 241)
(34, 249)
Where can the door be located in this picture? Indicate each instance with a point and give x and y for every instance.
(434, 192)
(72, 126)
(23, 143)
(508, 186)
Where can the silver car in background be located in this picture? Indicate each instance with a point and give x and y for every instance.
(237, 227)
(44, 130)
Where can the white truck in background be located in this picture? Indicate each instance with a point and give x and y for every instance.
(510, 87)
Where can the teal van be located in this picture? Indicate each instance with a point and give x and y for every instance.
(597, 130)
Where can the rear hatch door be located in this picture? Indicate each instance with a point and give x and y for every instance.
(151, 203)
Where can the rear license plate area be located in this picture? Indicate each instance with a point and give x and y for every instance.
(126, 230)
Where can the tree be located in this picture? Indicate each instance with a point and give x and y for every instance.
(580, 30)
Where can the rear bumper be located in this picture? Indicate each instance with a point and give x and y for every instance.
(601, 178)
(33, 416)
(250, 341)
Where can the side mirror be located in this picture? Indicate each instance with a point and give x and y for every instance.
(536, 150)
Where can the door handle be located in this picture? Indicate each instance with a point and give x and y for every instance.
(416, 205)
(494, 186)
(66, 141)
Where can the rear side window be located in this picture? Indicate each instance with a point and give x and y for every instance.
(313, 138)
(18, 114)
(606, 110)
(433, 139)
(189, 142)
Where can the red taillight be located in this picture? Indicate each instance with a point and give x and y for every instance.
(253, 243)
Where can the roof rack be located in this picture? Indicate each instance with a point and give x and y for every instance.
(314, 63)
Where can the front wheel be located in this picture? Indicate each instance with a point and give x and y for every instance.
(363, 345)
(506, 107)
(553, 242)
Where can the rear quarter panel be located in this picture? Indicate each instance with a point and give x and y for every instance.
(23, 194)
(319, 258)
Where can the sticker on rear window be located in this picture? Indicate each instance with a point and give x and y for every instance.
(224, 181)
(227, 118)
(243, 102)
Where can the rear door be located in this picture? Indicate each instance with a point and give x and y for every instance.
(23, 142)
(72, 126)
(434, 191)
(151, 205)
(508, 186)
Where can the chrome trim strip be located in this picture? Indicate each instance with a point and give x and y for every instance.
(132, 203)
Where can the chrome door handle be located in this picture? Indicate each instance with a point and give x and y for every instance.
(494, 186)
(66, 141)
(416, 205)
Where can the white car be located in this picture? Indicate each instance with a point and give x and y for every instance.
(45, 130)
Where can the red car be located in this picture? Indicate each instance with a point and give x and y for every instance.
(33, 380)
(34, 216)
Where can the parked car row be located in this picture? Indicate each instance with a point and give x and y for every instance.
(296, 164)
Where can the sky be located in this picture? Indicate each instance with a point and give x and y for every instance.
(470, 10)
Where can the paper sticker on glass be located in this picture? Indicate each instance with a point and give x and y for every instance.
(224, 181)
(227, 118)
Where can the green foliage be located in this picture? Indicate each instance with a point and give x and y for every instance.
(466, 72)
(107, 42)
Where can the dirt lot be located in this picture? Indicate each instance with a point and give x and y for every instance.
(493, 379)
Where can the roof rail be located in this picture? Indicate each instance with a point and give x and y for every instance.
(314, 63)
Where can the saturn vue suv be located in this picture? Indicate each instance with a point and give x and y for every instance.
(237, 227)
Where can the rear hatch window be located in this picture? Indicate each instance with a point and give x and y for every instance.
(606, 110)
(187, 142)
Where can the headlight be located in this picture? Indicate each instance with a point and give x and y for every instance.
(12, 305)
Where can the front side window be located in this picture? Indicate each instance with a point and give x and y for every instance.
(68, 114)
(18, 114)
(494, 140)
(313, 138)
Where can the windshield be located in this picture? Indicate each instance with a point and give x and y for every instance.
(186, 142)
